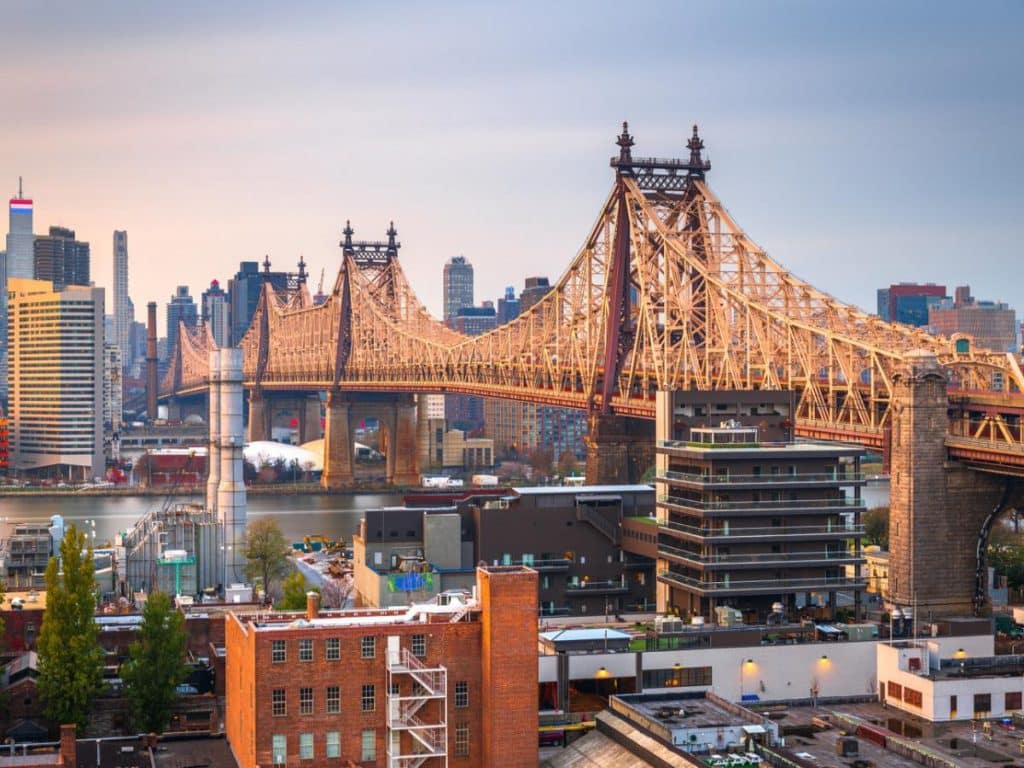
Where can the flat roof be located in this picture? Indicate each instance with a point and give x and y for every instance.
(581, 490)
(579, 635)
(693, 711)
(364, 618)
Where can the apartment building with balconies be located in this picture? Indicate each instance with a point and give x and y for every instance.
(756, 525)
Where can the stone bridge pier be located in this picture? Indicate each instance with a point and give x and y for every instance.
(619, 449)
(280, 409)
(397, 417)
(941, 511)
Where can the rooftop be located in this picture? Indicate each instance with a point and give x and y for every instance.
(447, 608)
(33, 600)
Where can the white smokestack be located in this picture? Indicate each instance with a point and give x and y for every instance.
(231, 491)
(213, 420)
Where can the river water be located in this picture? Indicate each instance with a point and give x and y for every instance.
(298, 515)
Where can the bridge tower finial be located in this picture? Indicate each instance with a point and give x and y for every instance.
(625, 141)
(302, 271)
(346, 244)
(695, 145)
(393, 245)
(266, 264)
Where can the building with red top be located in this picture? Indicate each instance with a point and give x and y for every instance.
(447, 683)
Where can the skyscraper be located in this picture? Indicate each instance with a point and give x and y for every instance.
(458, 287)
(993, 325)
(534, 289)
(244, 293)
(18, 262)
(508, 307)
(60, 259)
(909, 302)
(181, 308)
(124, 312)
(216, 305)
(56, 379)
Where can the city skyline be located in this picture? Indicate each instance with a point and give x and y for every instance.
(861, 128)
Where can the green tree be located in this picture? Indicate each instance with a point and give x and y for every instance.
(876, 526)
(70, 657)
(266, 551)
(155, 666)
(294, 591)
(566, 463)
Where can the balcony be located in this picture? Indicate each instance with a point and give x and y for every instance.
(731, 480)
(759, 586)
(762, 559)
(773, 507)
(611, 587)
(760, 533)
(545, 565)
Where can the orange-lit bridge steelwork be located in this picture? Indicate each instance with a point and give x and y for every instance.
(667, 292)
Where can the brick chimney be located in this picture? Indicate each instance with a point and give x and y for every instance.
(312, 605)
(69, 746)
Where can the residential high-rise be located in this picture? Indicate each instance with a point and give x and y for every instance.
(60, 259)
(458, 287)
(113, 400)
(534, 289)
(56, 379)
(216, 313)
(909, 302)
(244, 293)
(993, 325)
(181, 308)
(124, 310)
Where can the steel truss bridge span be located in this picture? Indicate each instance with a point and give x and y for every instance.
(667, 292)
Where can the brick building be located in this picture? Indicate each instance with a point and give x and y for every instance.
(453, 682)
(992, 325)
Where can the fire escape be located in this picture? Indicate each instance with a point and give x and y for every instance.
(410, 712)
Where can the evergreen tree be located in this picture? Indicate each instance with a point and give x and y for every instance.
(70, 657)
(266, 551)
(294, 591)
(155, 666)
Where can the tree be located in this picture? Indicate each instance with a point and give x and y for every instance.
(155, 666)
(566, 463)
(70, 657)
(876, 526)
(266, 551)
(294, 589)
(540, 458)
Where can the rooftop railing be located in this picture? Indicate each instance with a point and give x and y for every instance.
(766, 479)
(780, 531)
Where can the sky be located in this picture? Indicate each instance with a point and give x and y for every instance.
(860, 144)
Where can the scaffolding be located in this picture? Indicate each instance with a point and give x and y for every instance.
(188, 528)
(412, 713)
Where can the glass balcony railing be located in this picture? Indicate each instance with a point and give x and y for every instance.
(770, 531)
(769, 479)
(768, 558)
(597, 587)
(762, 585)
(773, 505)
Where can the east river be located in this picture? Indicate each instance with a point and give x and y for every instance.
(331, 516)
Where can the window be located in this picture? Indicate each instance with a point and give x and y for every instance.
(333, 649)
(369, 698)
(333, 744)
(368, 647)
(461, 694)
(912, 697)
(369, 745)
(305, 701)
(306, 649)
(675, 678)
(419, 646)
(277, 652)
(305, 746)
(982, 704)
(894, 691)
(1012, 701)
(279, 748)
(279, 706)
(462, 741)
(333, 699)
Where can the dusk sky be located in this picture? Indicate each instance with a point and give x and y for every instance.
(859, 144)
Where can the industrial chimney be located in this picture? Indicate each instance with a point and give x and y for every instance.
(231, 491)
(151, 382)
(213, 421)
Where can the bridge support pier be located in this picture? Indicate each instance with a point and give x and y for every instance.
(403, 458)
(259, 417)
(338, 470)
(940, 511)
(619, 449)
(309, 420)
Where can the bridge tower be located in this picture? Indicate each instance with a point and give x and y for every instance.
(941, 511)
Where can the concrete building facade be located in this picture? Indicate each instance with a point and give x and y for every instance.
(60, 258)
(56, 379)
(124, 310)
(992, 325)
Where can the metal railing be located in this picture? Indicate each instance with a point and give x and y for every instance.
(771, 585)
(766, 479)
(780, 531)
(754, 558)
(773, 504)
(597, 586)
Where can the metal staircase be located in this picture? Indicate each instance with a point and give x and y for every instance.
(406, 711)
